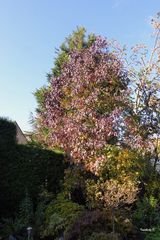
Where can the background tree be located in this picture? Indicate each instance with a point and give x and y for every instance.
(145, 76)
(144, 72)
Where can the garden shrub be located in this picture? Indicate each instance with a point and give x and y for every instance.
(153, 235)
(147, 214)
(60, 215)
(87, 223)
(104, 236)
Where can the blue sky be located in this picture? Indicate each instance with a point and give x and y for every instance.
(30, 30)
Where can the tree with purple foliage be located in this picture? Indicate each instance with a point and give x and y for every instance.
(87, 104)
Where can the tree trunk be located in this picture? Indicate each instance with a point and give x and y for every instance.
(113, 220)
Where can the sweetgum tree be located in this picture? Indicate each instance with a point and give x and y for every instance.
(87, 106)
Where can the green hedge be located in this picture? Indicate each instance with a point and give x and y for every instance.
(25, 167)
